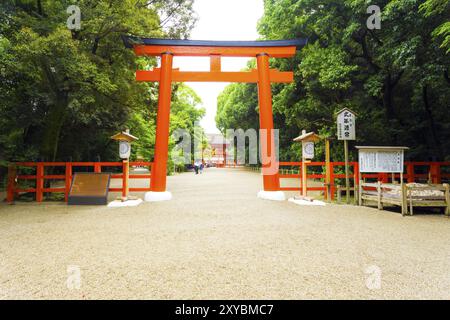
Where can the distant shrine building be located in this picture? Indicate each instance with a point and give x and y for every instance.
(218, 145)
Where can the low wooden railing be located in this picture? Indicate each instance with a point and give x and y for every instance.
(70, 168)
(433, 169)
(403, 195)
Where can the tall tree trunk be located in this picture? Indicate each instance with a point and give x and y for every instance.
(390, 82)
(432, 122)
(387, 97)
(56, 114)
(53, 125)
(39, 7)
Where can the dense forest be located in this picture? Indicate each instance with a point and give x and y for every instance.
(64, 93)
(395, 78)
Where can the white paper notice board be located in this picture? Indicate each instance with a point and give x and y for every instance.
(381, 160)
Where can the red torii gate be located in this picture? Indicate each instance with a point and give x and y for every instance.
(165, 75)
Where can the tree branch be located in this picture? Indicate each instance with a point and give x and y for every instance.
(365, 50)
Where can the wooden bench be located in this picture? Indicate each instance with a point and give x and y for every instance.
(406, 196)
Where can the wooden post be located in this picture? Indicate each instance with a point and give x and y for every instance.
(224, 155)
(347, 173)
(355, 181)
(97, 167)
(410, 172)
(411, 206)
(304, 178)
(159, 174)
(125, 178)
(215, 63)
(431, 174)
(300, 181)
(447, 198)
(11, 188)
(435, 173)
(327, 170)
(68, 181)
(404, 199)
(380, 203)
(360, 193)
(271, 181)
(438, 173)
(39, 182)
(332, 180)
(339, 194)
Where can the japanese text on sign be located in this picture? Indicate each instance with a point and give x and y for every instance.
(346, 125)
(381, 161)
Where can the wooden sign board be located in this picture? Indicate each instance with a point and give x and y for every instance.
(381, 159)
(89, 189)
(346, 125)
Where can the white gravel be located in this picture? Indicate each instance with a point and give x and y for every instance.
(216, 240)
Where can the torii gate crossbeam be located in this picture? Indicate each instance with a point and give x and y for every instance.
(165, 75)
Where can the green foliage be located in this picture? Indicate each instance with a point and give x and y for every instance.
(396, 78)
(431, 8)
(326, 68)
(64, 93)
(238, 104)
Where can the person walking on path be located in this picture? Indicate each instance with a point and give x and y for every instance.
(197, 164)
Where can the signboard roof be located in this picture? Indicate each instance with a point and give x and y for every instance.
(124, 136)
(310, 136)
(346, 109)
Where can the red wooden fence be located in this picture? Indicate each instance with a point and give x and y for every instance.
(39, 177)
(433, 169)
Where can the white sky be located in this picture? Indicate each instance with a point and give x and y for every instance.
(220, 20)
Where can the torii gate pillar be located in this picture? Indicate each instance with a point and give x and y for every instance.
(271, 182)
(159, 170)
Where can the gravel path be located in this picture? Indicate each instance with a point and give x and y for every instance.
(217, 240)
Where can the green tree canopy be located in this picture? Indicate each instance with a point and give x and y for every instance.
(64, 92)
(395, 78)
